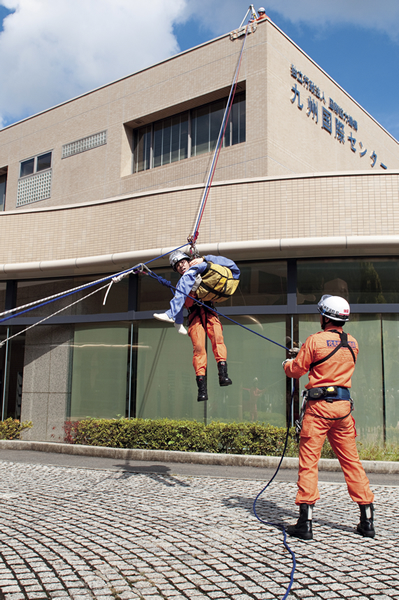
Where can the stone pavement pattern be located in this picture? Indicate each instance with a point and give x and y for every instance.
(73, 533)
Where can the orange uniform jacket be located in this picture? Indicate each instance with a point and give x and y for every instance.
(337, 370)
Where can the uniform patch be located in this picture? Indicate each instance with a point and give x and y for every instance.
(334, 343)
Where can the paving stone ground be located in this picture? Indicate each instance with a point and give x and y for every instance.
(74, 533)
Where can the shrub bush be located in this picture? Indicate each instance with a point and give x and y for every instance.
(11, 429)
(187, 436)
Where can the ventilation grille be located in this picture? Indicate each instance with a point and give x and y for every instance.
(87, 143)
(34, 188)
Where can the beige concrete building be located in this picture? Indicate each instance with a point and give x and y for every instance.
(304, 199)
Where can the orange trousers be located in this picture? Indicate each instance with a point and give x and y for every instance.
(341, 435)
(202, 322)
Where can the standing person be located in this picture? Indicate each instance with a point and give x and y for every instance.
(329, 356)
(207, 278)
(261, 13)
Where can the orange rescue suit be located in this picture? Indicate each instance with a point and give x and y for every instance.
(201, 322)
(328, 419)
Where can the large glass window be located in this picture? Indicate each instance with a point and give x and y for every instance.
(170, 140)
(117, 299)
(390, 333)
(261, 283)
(190, 133)
(153, 295)
(166, 385)
(360, 281)
(258, 392)
(100, 372)
(142, 149)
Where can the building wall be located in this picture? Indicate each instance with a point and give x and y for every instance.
(345, 204)
(280, 138)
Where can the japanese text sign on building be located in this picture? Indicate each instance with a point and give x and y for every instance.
(333, 118)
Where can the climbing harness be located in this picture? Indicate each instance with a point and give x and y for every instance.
(343, 344)
(314, 394)
(330, 393)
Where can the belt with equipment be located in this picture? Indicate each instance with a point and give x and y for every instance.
(331, 393)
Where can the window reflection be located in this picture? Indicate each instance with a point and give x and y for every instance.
(370, 281)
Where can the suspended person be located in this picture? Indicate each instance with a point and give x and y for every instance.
(210, 279)
(329, 357)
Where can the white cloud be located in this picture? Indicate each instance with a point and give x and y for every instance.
(56, 49)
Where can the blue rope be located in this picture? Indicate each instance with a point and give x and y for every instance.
(276, 525)
(85, 287)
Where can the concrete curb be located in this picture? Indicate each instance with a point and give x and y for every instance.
(204, 458)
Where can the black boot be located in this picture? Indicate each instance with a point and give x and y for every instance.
(202, 391)
(303, 527)
(224, 379)
(366, 526)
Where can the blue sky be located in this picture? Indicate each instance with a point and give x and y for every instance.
(52, 55)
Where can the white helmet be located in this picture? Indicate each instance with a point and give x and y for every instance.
(176, 257)
(334, 308)
(261, 9)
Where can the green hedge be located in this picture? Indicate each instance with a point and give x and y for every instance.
(187, 436)
(11, 429)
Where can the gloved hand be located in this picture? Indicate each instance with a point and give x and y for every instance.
(164, 281)
(293, 353)
(287, 360)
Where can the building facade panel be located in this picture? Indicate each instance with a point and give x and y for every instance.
(297, 207)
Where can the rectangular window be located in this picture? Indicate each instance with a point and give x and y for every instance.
(44, 162)
(142, 149)
(99, 372)
(3, 186)
(166, 386)
(35, 164)
(31, 291)
(27, 167)
(190, 133)
(366, 281)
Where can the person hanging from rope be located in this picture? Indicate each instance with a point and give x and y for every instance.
(329, 357)
(209, 279)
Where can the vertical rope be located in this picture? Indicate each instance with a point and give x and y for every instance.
(192, 239)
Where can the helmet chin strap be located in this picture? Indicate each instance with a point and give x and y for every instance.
(324, 322)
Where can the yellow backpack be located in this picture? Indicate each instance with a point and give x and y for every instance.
(217, 284)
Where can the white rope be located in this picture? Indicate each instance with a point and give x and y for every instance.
(52, 315)
(118, 277)
(140, 267)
